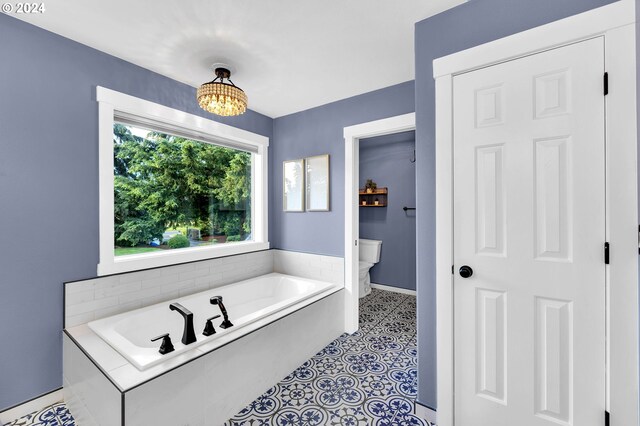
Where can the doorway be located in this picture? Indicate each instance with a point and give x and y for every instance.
(352, 137)
(387, 200)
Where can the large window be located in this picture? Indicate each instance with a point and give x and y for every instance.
(172, 192)
(176, 187)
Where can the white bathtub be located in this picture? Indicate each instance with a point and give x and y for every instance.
(246, 301)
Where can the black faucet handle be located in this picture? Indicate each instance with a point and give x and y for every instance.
(166, 345)
(209, 329)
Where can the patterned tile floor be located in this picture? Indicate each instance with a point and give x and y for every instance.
(367, 378)
(54, 415)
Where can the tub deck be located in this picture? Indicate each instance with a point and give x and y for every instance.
(124, 375)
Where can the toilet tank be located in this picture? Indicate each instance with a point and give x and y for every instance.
(370, 250)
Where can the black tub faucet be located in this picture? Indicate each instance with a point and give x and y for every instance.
(217, 300)
(188, 335)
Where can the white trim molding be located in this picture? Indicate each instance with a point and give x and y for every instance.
(616, 23)
(111, 103)
(393, 289)
(30, 406)
(352, 136)
(426, 413)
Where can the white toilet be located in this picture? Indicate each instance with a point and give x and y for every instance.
(369, 256)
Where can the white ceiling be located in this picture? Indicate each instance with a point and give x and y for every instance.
(289, 55)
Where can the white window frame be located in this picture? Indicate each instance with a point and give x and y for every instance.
(109, 103)
(616, 23)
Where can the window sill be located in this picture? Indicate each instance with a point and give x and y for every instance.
(138, 262)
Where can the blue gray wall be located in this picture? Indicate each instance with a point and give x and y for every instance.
(49, 187)
(320, 131)
(468, 25)
(386, 160)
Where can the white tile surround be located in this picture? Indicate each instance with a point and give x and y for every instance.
(105, 296)
(307, 265)
(101, 297)
(89, 395)
(301, 329)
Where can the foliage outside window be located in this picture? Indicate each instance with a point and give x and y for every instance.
(172, 193)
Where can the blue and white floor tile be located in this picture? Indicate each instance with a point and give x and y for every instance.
(54, 415)
(368, 378)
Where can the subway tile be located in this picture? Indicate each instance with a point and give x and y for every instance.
(140, 294)
(93, 305)
(117, 309)
(205, 264)
(79, 286)
(116, 289)
(202, 285)
(139, 276)
(207, 280)
(338, 266)
(76, 298)
(192, 290)
(196, 273)
(180, 285)
(74, 320)
(161, 284)
(158, 298)
(160, 281)
(176, 269)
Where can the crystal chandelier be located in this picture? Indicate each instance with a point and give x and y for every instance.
(220, 97)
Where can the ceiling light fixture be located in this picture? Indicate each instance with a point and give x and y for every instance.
(222, 98)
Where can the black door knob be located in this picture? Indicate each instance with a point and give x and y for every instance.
(466, 271)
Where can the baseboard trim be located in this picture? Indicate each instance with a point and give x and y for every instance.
(394, 289)
(28, 407)
(424, 412)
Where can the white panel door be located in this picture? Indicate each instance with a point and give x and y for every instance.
(529, 220)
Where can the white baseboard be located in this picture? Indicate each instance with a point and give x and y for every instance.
(424, 412)
(394, 289)
(29, 407)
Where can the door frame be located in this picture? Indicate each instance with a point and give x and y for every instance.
(352, 136)
(616, 24)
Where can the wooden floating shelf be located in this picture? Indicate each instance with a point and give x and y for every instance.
(376, 192)
(369, 197)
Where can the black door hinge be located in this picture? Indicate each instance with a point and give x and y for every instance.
(606, 83)
(606, 253)
(606, 418)
(451, 269)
